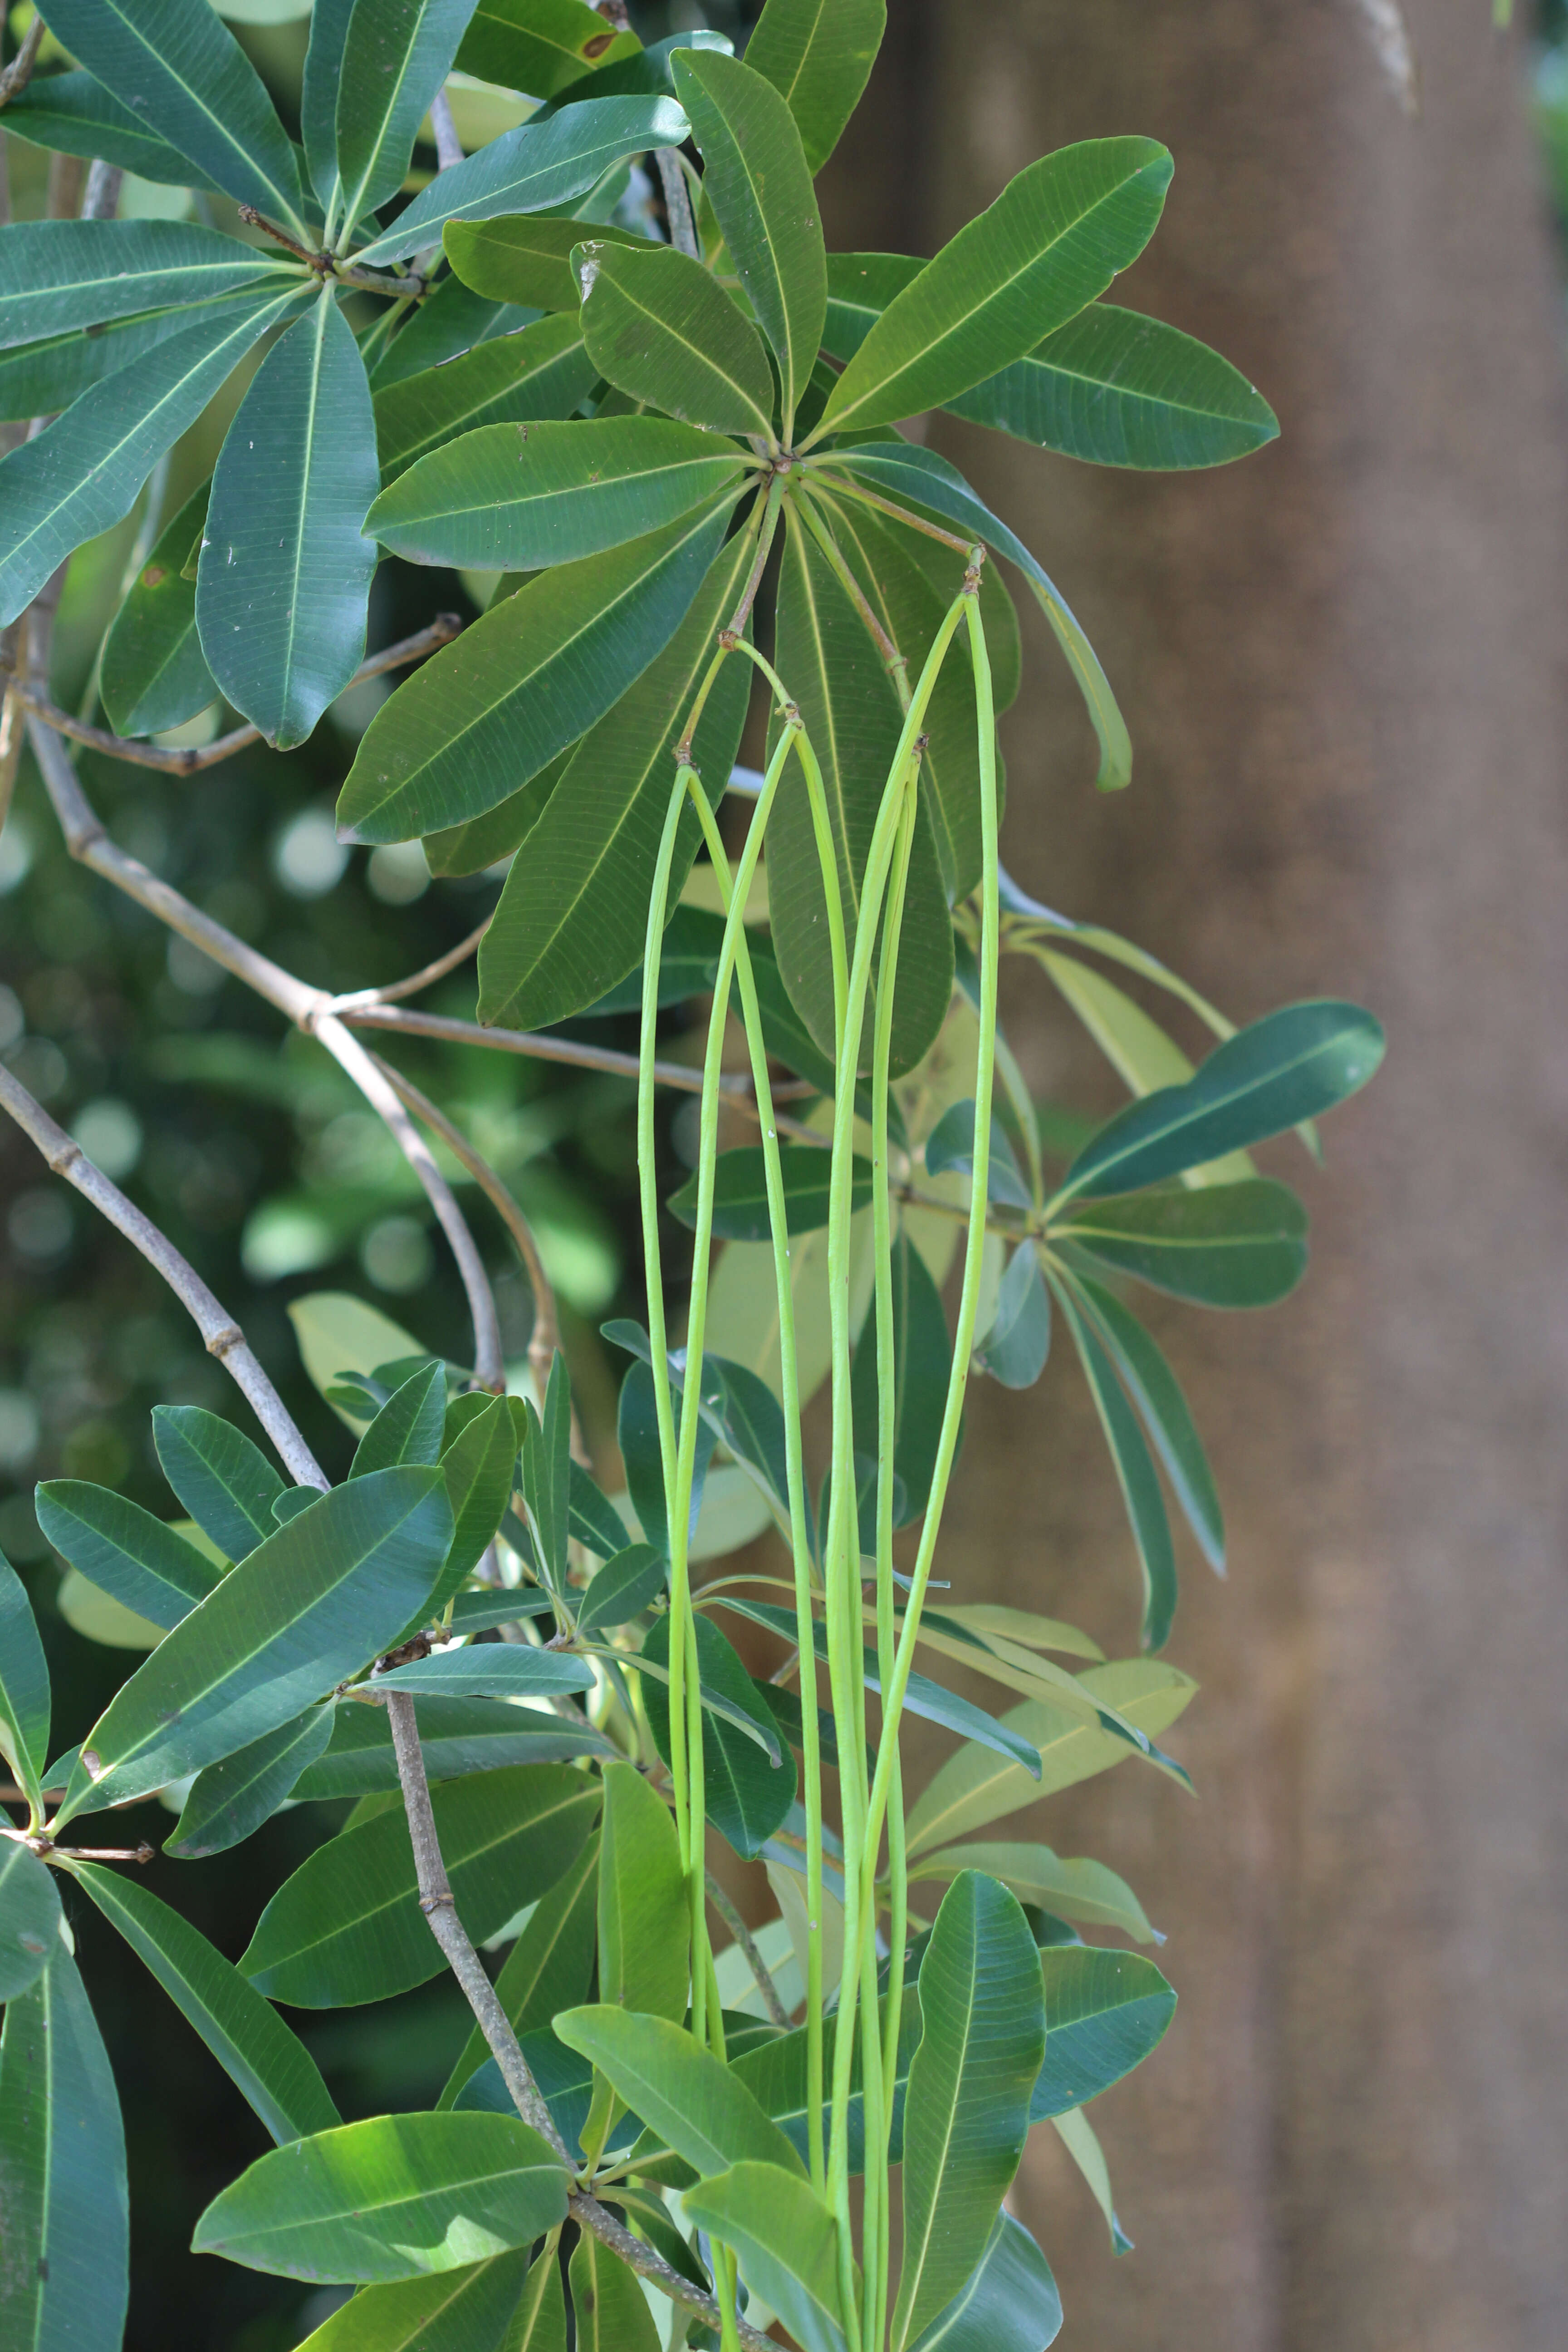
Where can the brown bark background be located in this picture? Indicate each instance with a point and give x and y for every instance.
(1342, 665)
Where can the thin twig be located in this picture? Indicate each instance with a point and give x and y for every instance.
(424, 978)
(743, 1937)
(448, 146)
(537, 1045)
(676, 202)
(102, 199)
(19, 72)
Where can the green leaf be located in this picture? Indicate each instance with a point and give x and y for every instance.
(30, 1930)
(644, 1924)
(966, 2115)
(491, 1670)
(347, 1926)
(737, 1408)
(478, 1611)
(478, 2309)
(24, 1684)
(487, 712)
(284, 580)
(1008, 2304)
(572, 917)
(623, 1588)
(851, 713)
(740, 1192)
(478, 1464)
(75, 115)
(408, 1428)
(747, 1795)
(459, 1736)
(395, 58)
(226, 1483)
(63, 2284)
(447, 322)
(550, 1967)
(680, 2090)
(1073, 1890)
(229, 1800)
(531, 169)
(391, 2198)
(1286, 1067)
(122, 1549)
(154, 672)
(1135, 1474)
(950, 1149)
(922, 1360)
(527, 259)
(1229, 1246)
(547, 1471)
(1077, 2137)
(1105, 2011)
(662, 330)
(309, 1607)
(540, 2324)
(541, 45)
(319, 97)
(41, 379)
(265, 2060)
(1015, 1349)
(608, 2304)
(757, 181)
(1155, 1390)
(1118, 389)
(593, 1518)
(191, 82)
(82, 473)
(488, 840)
(1052, 241)
(539, 371)
(818, 55)
(921, 476)
(59, 274)
(787, 2241)
(518, 497)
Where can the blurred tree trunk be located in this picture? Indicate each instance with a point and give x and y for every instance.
(1342, 665)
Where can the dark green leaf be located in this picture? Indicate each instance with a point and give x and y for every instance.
(646, 72)
(1289, 1067)
(1226, 1245)
(59, 274)
(625, 1586)
(1008, 2304)
(476, 1613)
(529, 170)
(230, 1800)
(547, 1471)
(1105, 2011)
(459, 1736)
(747, 1796)
(740, 1192)
(1052, 241)
(74, 114)
(409, 1427)
(479, 2309)
(950, 1148)
(226, 1483)
(154, 672)
(347, 1925)
(82, 473)
(787, 2242)
(637, 1432)
(662, 330)
(527, 259)
(490, 1669)
(395, 57)
(29, 1917)
(922, 1360)
(1072, 1889)
(292, 1501)
(1015, 1349)
(681, 2091)
(541, 46)
(24, 1683)
(1136, 1476)
(644, 1924)
(124, 1549)
(738, 1408)
(319, 97)
(64, 2282)
(756, 180)
(594, 1521)
(284, 580)
(818, 55)
(538, 371)
(450, 320)
(1155, 1390)
(572, 918)
(390, 2199)
(490, 711)
(478, 1465)
(550, 1967)
(40, 378)
(490, 839)
(966, 2115)
(608, 2307)
(309, 1607)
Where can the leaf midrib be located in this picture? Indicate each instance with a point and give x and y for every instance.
(540, 500)
(1175, 1121)
(263, 173)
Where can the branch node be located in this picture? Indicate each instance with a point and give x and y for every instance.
(231, 1336)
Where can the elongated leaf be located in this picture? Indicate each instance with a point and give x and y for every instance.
(1155, 1390)
(538, 371)
(747, 1794)
(679, 2089)
(75, 115)
(737, 1408)
(476, 1613)
(191, 81)
(1015, 1349)
(491, 839)
(740, 1192)
(226, 1483)
(347, 1925)
(1105, 2011)
(529, 170)
(24, 1684)
(593, 1519)
(408, 1428)
(1229, 1246)
(57, 274)
(311, 1606)
(643, 1920)
(319, 98)
(608, 2304)
(1135, 1474)
(1008, 2304)
(520, 497)
(29, 1917)
(230, 1800)
(465, 733)
(273, 2070)
(623, 1588)
(478, 1466)
(818, 55)
(41, 379)
(1077, 2137)
(662, 330)
(1052, 241)
(549, 1967)
(391, 2198)
(950, 1150)
(122, 1549)
(459, 1737)
(756, 179)
(491, 1670)
(527, 258)
(966, 2115)
(284, 580)
(82, 473)
(541, 46)
(64, 2282)
(478, 2309)
(547, 1471)
(447, 322)
(395, 57)
(922, 1359)
(1289, 1067)
(787, 2242)
(851, 713)
(154, 672)
(1073, 1889)
(572, 917)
